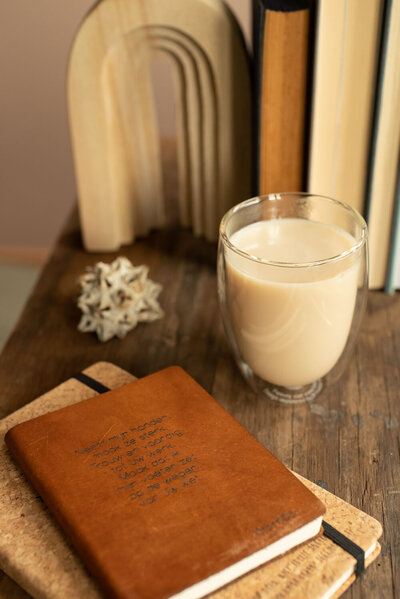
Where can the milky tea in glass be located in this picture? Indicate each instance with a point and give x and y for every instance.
(292, 272)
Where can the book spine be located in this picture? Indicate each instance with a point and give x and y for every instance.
(283, 47)
(286, 5)
(383, 166)
(382, 53)
(393, 273)
(258, 41)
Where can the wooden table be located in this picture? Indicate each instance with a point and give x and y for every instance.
(349, 437)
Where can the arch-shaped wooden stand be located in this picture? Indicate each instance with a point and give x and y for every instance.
(113, 120)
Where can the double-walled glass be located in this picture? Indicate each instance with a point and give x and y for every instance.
(291, 325)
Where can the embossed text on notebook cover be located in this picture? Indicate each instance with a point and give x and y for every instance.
(160, 490)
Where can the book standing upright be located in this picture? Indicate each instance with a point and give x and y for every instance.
(346, 61)
(283, 42)
(393, 271)
(385, 152)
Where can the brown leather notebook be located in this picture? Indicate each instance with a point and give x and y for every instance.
(160, 490)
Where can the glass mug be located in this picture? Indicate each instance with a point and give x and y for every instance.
(292, 282)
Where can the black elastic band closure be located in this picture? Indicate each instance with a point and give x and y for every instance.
(92, 383)
(345, 543)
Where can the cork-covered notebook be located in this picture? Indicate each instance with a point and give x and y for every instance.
(161, 491)
(34, 552)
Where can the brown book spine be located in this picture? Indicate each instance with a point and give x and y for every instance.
(284, 47)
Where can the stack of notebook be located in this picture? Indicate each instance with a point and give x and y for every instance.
(163, 494)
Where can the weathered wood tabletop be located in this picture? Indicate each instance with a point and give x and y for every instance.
(349, 436)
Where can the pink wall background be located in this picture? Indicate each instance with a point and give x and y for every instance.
(37, 187)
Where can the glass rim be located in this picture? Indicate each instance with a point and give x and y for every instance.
(277, 196)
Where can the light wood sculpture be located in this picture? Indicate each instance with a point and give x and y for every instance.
(113, 121)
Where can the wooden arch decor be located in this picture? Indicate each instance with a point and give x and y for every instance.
(113, 120)
(114, 129)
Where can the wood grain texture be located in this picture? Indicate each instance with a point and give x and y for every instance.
(285, 67)
(113, 119)
(348, 437)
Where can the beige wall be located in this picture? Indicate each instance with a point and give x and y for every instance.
(37, 186)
